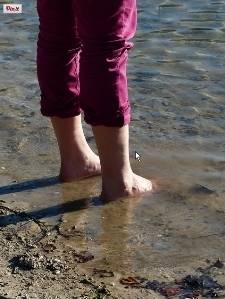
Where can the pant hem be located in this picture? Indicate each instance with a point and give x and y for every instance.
(121, 122)
(61, 115)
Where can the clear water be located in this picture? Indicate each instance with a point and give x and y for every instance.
(176, 86)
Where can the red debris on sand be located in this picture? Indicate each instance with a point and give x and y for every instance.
(133, 282)
(189, 287)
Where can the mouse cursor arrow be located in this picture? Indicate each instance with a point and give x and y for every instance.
(137, 157)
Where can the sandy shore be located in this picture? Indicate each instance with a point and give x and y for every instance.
(36, 263)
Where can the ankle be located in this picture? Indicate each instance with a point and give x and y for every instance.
(117, 174)
(72, 159)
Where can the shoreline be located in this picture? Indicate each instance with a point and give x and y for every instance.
(36, 263)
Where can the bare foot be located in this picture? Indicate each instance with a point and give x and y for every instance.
(134, 185)
(77, 159)
(140, 185)
(79, 168)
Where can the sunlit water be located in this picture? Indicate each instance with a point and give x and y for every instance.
(177, 89)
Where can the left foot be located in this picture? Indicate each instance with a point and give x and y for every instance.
(82, 167)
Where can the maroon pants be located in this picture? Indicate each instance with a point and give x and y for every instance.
(82, 53)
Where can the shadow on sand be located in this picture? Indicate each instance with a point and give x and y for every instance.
(67, 207)
(29, 185)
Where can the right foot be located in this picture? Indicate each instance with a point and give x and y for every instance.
(134, 186)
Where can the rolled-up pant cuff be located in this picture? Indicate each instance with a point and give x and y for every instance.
(103, 88)
(65, 114)
(49, 109)
(118, 119)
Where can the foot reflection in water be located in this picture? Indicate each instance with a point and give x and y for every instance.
(104, 226)
(115, 221)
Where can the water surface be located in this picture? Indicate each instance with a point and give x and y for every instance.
(176, 87)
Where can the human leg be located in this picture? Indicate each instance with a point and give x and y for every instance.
(77, 158)
(118, 178)
(103, 89)
(58, 50)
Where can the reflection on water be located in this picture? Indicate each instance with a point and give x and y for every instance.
(176, 73)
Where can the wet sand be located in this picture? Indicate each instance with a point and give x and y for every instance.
(176, 87)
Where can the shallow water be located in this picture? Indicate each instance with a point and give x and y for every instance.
(176, 86)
